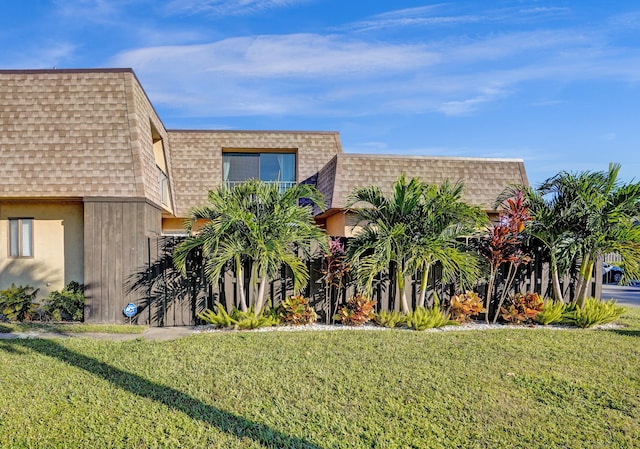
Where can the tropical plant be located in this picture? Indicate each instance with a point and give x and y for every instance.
(502, 246)
(66, 304)
(422, 318)
(466, 305)
(593, 312)
(336, 271)
(17, 302)
(600, 215)
(579, 217)
(522, 308)
(417, 226)
(220, 319)
(257, 225)
(250, 320)
(295, 310)
(238, 319)
(390, 318)
(552, 312)
(356, 311)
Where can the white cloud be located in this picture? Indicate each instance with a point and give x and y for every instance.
(227, 7)
(347, 74)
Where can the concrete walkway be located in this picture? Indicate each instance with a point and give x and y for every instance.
(151, 334)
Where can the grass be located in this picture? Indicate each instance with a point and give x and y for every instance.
(510, 388)
(66, 328)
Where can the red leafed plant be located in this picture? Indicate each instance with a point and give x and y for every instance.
(502, 245)
(357, 311)
(522, 309)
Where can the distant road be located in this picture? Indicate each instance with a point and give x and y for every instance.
(629, 296)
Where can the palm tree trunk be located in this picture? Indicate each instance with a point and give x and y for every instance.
(260, 298)
(423, 286)
(240, 285)
(586, 281)
(401, 287)
(581, 278)
(557, 291)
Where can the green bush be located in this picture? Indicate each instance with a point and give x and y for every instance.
(17, 302)
(218, 320)
(422, 318)
(248, 320)
(66, 305)
(552, 312)
(357, 311)
(391, 319)
(295, 310)
(238, 319)
(593, 312)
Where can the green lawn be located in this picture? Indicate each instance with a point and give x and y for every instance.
(74, 328)
(352, 389)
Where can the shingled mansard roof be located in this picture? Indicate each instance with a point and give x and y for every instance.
(484, 178)
(87, 133)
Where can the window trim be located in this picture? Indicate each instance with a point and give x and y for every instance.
(31, 238)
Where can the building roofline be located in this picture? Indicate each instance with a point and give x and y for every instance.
(46, 71)
(424, 157)
(252, 131)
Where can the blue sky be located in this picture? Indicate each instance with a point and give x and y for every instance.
(556, 83)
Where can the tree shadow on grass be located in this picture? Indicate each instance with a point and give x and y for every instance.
(625, 332)
(227, 422)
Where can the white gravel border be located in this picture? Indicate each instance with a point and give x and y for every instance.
(473, 326)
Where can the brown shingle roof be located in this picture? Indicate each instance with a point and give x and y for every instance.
(76, 133)
(484, 178)
(196, 157)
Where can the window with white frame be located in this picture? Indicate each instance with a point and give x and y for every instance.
(20, 237)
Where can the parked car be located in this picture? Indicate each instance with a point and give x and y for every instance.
(611, 274)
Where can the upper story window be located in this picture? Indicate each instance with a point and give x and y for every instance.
(20, 237)
(270, 167)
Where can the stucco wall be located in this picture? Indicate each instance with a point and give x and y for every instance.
(57, 245)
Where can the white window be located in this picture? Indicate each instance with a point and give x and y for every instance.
(20, 237)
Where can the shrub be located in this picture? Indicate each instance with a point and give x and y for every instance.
(552, 312)
(391, 319)
(219, 320)
(17, 302)
(295, 310)
(357, 311)
(465, 306)
(522, 309)
(249, 320)
(67, 304)
(421, 318)
(593, 312)
(237, 319)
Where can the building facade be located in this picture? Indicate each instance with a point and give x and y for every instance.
(89, 173)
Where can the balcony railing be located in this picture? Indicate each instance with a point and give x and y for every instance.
(282, 185)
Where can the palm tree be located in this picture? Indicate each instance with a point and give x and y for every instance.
(443, 220)
(584, 216)
(412, 230)
(255, 224)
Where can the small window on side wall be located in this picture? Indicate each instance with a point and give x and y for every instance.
(21, 237)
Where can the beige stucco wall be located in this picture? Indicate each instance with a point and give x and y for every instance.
(57, 245)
